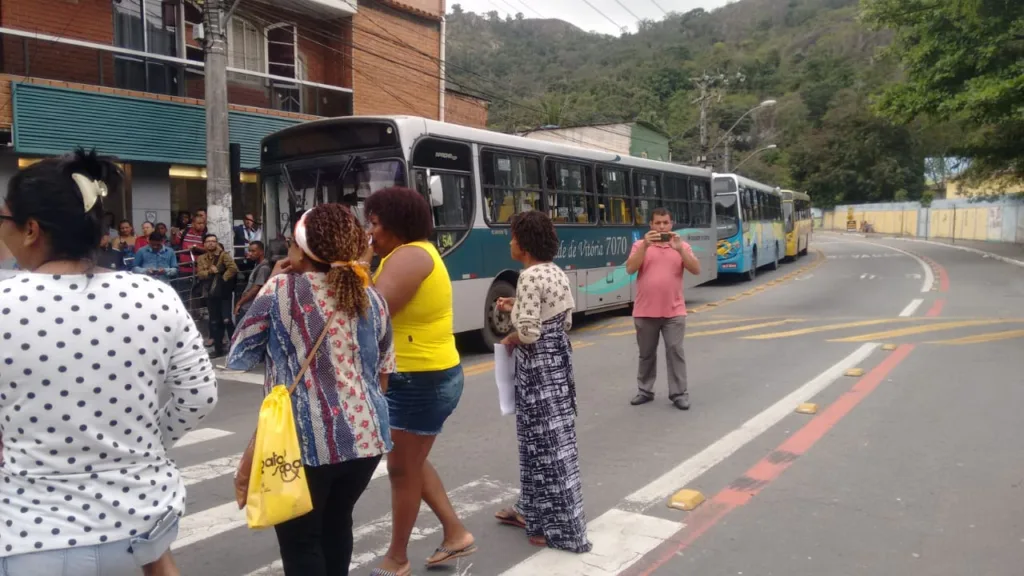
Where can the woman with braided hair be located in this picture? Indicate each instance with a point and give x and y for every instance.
(341, 414)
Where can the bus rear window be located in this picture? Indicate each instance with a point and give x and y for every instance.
(721, 185)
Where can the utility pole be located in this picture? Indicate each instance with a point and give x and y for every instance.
(218, 157)
(712, 87)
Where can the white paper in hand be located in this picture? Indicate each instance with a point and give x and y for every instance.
(505, 375)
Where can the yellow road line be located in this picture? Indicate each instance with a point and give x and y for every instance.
(743, 328)
(480, 368)
(982, 338)
(713, 323)
(826, 328)
(877, 336)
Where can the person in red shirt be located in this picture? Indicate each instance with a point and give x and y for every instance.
(659, 259)
(147, 230)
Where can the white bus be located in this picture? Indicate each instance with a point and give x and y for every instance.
(476, 180)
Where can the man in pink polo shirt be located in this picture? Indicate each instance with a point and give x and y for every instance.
(659, 260)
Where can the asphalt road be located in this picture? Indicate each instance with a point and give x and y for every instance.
(912, 468)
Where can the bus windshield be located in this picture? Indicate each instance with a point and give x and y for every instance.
(727, 215)
(348, 182)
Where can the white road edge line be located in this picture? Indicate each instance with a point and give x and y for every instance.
(726, 446)
(623, 535)
(929, 276)
(1006, 259)
(911, 308)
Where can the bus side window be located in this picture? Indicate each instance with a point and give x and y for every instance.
(570, 192)
(700, 203)
(677, 200)
(647, 194)
(512, 184)
(614, 196)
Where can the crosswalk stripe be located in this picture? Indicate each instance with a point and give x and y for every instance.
(210, 470)
(201, 435)
(467, 500)
(227, 465)
(236, 376)
(620, 539)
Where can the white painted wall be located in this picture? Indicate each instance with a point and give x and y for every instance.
(151, 192)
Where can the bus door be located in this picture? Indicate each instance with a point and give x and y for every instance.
(443, 172)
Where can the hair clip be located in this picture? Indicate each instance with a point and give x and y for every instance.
(92, 190)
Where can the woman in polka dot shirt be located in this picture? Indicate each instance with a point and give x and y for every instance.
(86, 485)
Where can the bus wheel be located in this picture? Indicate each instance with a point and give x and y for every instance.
(752, 273)
(497, 324)
(775, 264)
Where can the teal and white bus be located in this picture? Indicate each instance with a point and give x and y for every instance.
(750, 225)
(476, 180)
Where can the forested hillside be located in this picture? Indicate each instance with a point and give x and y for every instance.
(815, 57)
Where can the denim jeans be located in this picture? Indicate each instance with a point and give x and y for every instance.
(121, 558)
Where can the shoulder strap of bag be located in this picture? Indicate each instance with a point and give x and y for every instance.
(312, 354)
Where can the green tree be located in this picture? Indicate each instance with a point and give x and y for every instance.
(963, 61)
(857, 157)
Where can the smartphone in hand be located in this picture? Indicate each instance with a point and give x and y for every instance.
(666, 237)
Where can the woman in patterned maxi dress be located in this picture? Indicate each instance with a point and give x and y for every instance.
(551, 501)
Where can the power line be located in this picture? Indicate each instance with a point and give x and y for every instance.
(355, 46)
(659, 7)
(635, 17)
(530, 8)
(594, 8)
(490, 96)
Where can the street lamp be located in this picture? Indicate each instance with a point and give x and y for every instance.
(765, 104)
(755, 153)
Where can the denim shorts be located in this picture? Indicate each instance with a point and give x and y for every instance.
(121, 558)
(420, 402)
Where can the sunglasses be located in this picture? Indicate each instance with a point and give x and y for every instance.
(6, 217)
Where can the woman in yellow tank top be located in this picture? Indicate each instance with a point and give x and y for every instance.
(425, 390)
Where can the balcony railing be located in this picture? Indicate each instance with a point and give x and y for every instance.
(50, 57)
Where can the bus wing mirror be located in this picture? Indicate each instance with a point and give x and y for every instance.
(436, 192)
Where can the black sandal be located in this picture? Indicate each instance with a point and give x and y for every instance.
(510, 517)
(448, 555)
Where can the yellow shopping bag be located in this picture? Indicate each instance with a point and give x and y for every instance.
(277, 484)
(278, 491)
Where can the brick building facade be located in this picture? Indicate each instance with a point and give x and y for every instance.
(126, 77)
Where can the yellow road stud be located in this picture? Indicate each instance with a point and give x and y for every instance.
(807, 408)
(888, 347)
(686, 500)
(855, 372)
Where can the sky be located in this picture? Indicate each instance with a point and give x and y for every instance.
(587, 17)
